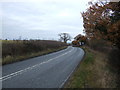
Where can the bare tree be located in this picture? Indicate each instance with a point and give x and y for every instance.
(64, 37)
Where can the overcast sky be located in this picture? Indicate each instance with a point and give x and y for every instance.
(44, 19)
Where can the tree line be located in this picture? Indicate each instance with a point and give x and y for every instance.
(102, 28)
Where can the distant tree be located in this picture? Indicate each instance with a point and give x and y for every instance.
(64, 37)
(75, 42)
(80, 38)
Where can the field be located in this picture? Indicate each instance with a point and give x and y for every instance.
(16, 50)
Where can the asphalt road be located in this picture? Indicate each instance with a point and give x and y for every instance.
(47, 71)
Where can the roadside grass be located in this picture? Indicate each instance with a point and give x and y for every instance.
(11, 59)
(17, 50)
(93, 72)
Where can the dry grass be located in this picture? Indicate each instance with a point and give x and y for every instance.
(17, 50)
(11, 59)
(93, 72)
(105, 78)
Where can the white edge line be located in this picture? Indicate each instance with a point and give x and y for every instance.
(69, 75)
(29, 68)
(67, 78)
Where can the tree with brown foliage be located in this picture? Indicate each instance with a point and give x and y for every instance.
(102, 21)
(80, 38)
(75, 42)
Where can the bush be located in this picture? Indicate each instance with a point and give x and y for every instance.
(114, 61)
(99, 45)
(22, 47)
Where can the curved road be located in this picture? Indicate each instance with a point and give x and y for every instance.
(47, 71)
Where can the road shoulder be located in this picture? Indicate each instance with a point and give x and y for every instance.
(92, 72)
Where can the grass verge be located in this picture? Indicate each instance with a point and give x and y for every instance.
(11, 59)
(93, 72)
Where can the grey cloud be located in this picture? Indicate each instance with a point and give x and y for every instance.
(32, 20)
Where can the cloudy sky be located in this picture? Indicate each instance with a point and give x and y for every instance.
(43, 19)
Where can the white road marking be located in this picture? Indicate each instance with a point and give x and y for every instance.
(68, 76)
(29, 68)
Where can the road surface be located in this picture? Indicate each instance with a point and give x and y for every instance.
(47, 71)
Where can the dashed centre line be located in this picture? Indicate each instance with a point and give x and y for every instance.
(30, 68)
